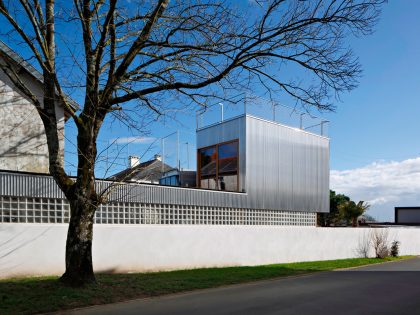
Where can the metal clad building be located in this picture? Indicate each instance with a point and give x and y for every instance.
(281, 168)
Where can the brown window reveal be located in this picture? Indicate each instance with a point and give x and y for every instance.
(218, 166)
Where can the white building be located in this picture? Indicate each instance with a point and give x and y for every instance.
(23, 145)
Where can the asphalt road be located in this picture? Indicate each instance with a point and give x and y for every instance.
(390, 288)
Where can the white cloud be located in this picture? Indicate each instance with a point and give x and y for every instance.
(125, 140)
(384, 185)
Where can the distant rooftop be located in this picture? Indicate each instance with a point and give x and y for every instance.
(149, 171)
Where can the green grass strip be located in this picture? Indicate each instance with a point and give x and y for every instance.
(46, 294)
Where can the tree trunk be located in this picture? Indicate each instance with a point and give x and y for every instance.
(355, 223)
(79, 266)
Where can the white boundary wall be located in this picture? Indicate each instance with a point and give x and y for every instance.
(39, 249)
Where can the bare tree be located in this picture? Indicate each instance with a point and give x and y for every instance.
(379, 239)
(364, 244)
(142, 53)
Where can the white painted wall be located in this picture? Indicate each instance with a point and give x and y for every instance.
(38, 249)
(23, 145)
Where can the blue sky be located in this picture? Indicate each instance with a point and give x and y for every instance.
(375, 131)
(379, 119)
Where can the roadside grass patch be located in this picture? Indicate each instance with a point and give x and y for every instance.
(47, 294)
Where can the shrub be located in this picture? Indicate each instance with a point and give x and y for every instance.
(395, 249)
(382, 252)
(380, 242)
(363, 247)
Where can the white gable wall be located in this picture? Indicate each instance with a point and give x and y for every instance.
(23, 145)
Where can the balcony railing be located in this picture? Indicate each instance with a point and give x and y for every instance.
(262, 108)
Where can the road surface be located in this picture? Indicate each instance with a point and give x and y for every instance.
(390, 288)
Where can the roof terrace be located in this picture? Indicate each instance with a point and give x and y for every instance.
(265, 109)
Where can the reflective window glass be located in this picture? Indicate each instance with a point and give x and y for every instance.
(219, 167)
(228, 158)
(228, 182)
(208, 162)
(174, 180)
(209, 183)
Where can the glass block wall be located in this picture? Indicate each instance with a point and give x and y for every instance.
(53, 210)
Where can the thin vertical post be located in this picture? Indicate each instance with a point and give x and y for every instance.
(107, 157)
(128, 152)
(274, 111)
(199, 119)
(196, 120)
(188, 155)
(301, 120)
(163, 152)
(177, 150)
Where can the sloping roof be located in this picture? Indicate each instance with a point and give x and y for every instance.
(16, 58)
(146, 171)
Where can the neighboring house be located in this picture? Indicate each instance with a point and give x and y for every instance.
(23, 145)
(407, 215)
(148, 172)
(179, 178)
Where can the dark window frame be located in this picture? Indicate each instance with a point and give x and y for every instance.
(216, 146)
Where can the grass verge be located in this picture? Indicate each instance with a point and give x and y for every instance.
(46, 294)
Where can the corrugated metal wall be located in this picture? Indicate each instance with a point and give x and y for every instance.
(32, 185)
(28, 185)
(287, 168)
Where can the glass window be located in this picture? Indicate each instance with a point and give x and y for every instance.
(169, 180)
(208, 160)
(218, 167)
(228, 182)
(174, 180)
(209, 183)
(228, 158)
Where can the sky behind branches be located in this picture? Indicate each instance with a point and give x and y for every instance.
(375, 130)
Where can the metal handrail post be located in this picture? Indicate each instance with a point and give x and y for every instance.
(301, 120)
(177, 150)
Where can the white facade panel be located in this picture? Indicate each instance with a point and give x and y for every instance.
(23, 145)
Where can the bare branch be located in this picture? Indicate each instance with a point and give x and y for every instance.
(136, 46)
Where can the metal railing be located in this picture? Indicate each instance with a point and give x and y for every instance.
(262, 108)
